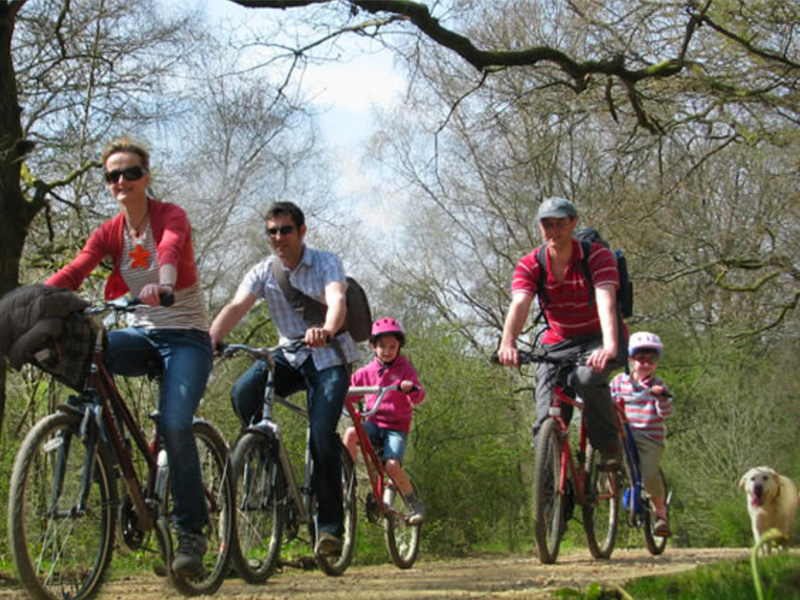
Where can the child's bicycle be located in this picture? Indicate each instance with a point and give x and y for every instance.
(384, 502)
(563, 480)
(64, 507)
(635, 500)
(271, 504)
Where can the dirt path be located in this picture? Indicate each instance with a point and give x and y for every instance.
(518, 578)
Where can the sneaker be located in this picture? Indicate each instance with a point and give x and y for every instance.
(661, 528)
(328, 544)
(417, 515)
(610, 457)
(188, 561)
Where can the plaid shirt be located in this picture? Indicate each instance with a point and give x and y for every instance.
(316, 270)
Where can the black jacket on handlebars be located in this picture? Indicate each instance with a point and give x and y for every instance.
(44, 326)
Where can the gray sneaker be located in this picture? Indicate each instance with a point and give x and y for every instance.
(188, 561)
(417, 515)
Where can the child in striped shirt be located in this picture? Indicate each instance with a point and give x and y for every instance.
(647, 403)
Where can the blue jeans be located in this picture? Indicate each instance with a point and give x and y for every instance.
(186, 358)
(391, 441)
(325, 393)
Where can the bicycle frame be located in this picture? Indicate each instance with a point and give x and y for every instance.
(569, 468)
(109, 408)
(632, 496)
(374, 465)
(301, 497)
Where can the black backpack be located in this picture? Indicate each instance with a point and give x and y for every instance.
(587, 236)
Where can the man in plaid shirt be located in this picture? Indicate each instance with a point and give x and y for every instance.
(319, 368)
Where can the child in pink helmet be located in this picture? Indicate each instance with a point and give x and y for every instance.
(647, 403)
(389, 427)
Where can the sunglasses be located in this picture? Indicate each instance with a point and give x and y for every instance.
(285, 230)
(130, 174)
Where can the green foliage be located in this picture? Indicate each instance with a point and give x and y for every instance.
(469, 448)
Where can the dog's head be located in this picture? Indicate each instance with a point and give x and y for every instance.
(761, 484)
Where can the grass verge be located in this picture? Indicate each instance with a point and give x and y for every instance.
(779, 576)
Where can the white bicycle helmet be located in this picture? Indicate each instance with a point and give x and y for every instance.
(644, 340)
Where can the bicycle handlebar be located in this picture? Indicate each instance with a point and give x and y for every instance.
(128, 304)
(529, 357)
(360, 391)
(230, 350)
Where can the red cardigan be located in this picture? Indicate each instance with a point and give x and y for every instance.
(173, 237)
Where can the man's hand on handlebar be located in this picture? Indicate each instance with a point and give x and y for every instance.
(508, 355)
(318, 336)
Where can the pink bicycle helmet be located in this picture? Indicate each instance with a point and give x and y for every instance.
(387, 326)
(644, 340)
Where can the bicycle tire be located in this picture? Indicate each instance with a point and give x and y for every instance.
(336, 565)
(601, 511)
(656, 544)
(260, 503)
(548, 502)
(61, 549)
(218, 484)
(402, 539)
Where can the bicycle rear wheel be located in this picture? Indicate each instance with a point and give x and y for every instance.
(548, 502)
(61, 510)
(218, 485)
(335, 565)
(601, 512)
(402, 539)
(656, 544)
(260, 503)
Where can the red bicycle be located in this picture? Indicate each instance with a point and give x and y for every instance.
(64, 507)
(384, 502)
(563, 479)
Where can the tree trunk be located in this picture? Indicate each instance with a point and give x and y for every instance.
(16, 211)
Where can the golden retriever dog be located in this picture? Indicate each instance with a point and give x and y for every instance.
(772, 501)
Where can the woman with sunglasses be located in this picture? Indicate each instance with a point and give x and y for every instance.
(647, 403)
(150, 244)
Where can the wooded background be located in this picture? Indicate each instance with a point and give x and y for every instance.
(673, 126)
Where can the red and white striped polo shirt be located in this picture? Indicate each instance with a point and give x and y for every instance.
(570, 311)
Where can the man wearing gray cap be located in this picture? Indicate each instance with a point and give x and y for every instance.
(583, 322)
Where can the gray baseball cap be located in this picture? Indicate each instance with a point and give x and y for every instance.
(556, 207)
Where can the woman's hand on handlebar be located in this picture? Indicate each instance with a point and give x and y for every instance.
(154, 294)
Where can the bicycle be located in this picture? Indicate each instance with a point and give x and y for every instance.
(64, 505)
(383, 501)
(635, 500)
(562, 480)
(270, 503)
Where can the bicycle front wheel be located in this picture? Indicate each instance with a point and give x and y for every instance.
(260, 500)
(548, 501)
(601, 510)
(218, 490)
(402, 539)
(335, 565)
(61, 510)
(656, 544)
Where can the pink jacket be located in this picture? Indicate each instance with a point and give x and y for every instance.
(396, 408)
(173, 237)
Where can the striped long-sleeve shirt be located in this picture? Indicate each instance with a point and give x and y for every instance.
(645, 411)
